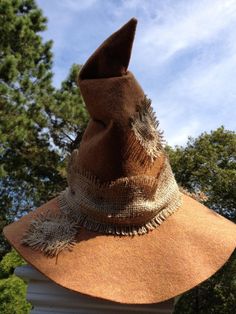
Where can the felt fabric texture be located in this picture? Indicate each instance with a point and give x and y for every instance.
(190, 246)
(187, 248)
(107, 149)
(109, 60)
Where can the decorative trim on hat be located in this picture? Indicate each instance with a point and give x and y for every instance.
(125, 207)
(126, 201)
(145, 125)
(145, 132)
(123, 230)
(51, 233)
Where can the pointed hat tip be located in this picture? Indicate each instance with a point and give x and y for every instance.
(112, 57)
(129, 28)
(133, 21)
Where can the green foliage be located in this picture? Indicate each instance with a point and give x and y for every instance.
(38, 124)
(208, 164)
(25, 80)
(12, 296)
(12, 288)
(9, 262)
(68, 120)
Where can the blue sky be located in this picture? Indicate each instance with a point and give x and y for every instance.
(184, 55)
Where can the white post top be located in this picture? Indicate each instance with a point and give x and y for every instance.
(47, 297)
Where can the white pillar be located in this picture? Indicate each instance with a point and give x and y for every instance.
(47, 297)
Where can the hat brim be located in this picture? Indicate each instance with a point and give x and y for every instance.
(189, 247)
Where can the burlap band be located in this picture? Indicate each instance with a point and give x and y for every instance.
(126, 206)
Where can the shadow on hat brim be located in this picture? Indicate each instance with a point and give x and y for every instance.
(189, 247)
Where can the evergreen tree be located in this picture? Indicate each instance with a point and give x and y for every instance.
(39, 125)
(25, 80)
(208, 164)
(67, 114)
(36, 121)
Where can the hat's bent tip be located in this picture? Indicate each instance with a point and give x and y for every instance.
(112, 58)
(132, 21)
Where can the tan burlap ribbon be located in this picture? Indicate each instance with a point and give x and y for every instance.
(127, 206)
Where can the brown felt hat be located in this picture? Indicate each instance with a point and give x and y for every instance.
(122, 230)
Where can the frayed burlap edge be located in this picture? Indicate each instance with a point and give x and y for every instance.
(118, 229)
(66, 227)
(119, 215)
(65, 238)
(145, 127)
(51, 233)
(128, 201)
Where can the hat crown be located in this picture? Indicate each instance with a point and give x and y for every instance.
(120, 139)
(119, 179)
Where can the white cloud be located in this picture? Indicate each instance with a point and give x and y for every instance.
(192, 45)
(201, 99)
(181, 25)
(183, 132)
(76, 5)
